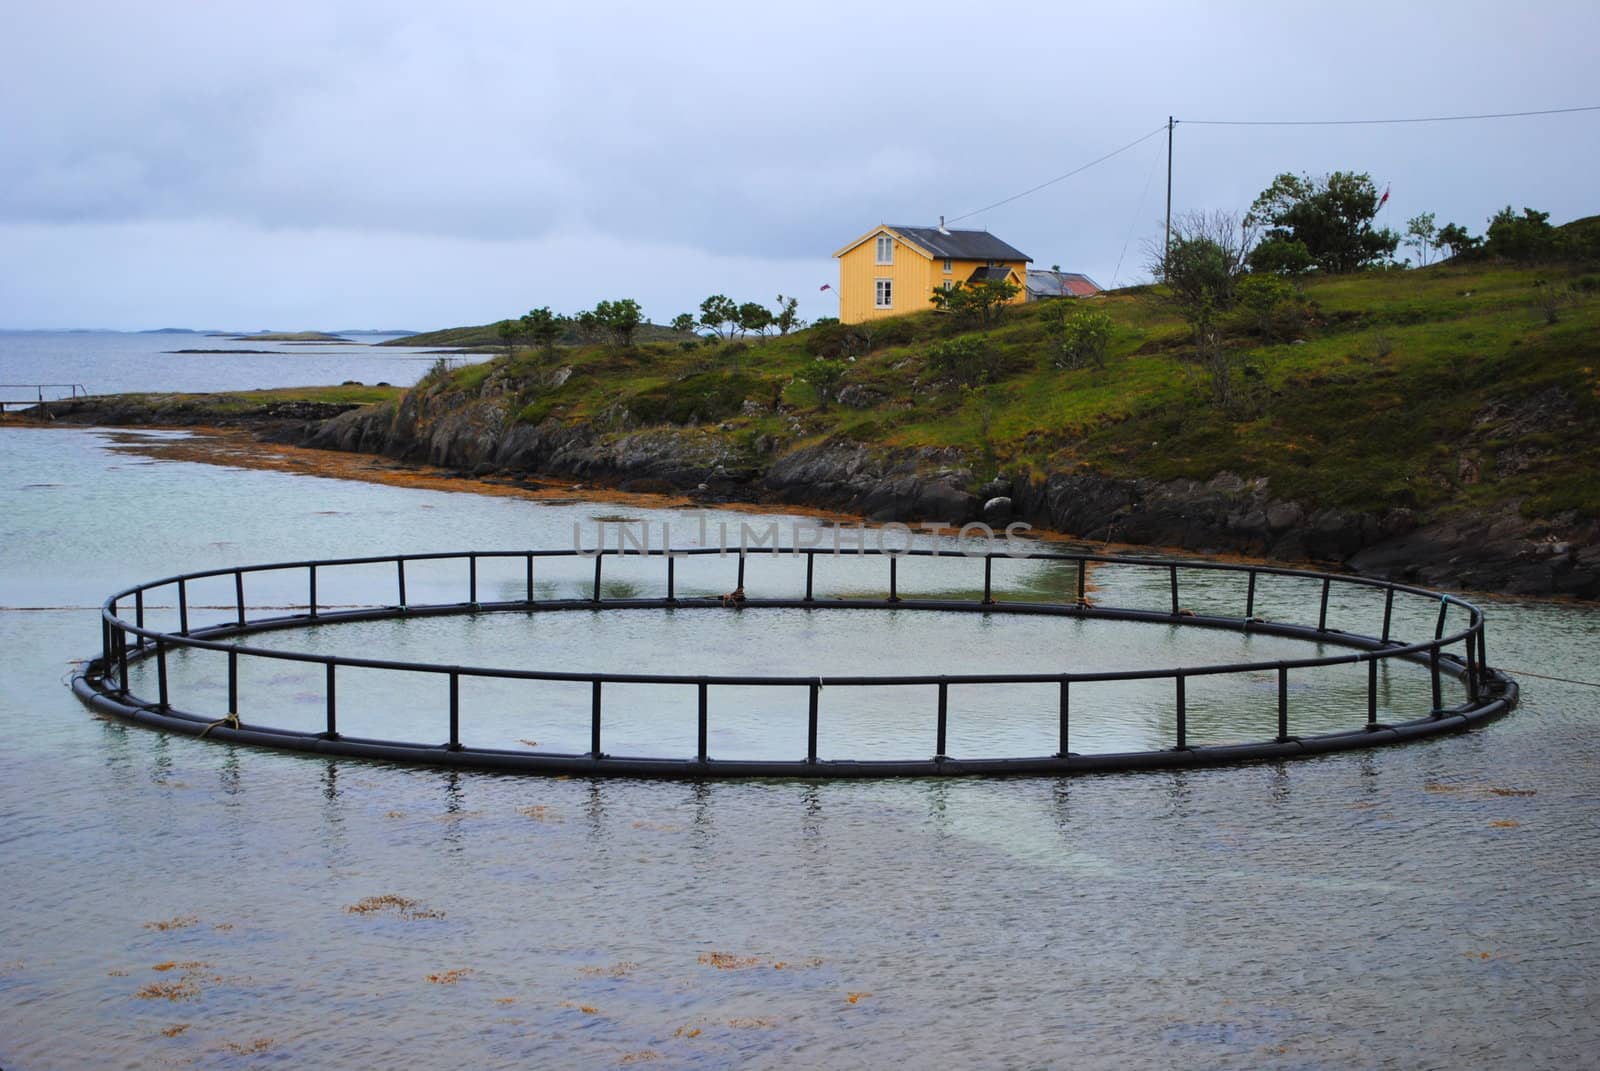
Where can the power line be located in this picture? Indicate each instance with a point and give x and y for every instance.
(1379, 122)
(1059, 178)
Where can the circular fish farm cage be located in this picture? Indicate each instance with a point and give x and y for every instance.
(192, 654)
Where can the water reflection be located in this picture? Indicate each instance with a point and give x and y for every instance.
(1142, 921)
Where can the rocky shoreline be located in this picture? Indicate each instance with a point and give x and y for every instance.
(1501, 551)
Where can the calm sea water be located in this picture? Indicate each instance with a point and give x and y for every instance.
(119, 362)
(173, 902)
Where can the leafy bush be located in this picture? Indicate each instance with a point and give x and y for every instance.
(824, 375)
(1076, 338)
(1270, 306)
(968, 360)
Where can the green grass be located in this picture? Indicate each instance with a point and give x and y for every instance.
(250, 401)
(1402, 388)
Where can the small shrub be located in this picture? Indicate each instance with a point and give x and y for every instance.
(824, 375)
(1077, 338)
(968, 360)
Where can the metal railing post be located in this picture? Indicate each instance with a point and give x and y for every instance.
(672, 579)
(122, 660)
(138, 614)
(1322, 614)
(1372, 694)
(1283, 704)
(1065, 707)
(1083, 581)
(183, 607)
(311, 597)
(811, 723)
(598, 558)
(944, 720)
(1173, 574)
(233, 682)
(1182, 743)
(333, 705)
(455, 710)
(400, 582)
(894, 587)
(238, 596)
(988, 580)
(1250, 599)
(472, 579)
(702, 720)
(161, 674)
(811, 562)
(1432, 673)
(529, 578)
(594, 715)
(1388, 611)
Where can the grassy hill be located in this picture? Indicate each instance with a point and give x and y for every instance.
(1432, 389)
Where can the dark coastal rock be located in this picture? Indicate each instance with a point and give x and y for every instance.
(997, 511)
(478, 434)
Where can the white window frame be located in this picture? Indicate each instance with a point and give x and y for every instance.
(885, 249)
(947, 266)
(883, 293)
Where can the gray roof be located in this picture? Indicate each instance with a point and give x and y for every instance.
(961, 245)
(1060, 283)
(996, 274)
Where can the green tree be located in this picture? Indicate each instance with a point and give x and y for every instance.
(1202, 268)
(824, 375)
(1525, 237)
(983, 302)
(1281, 256)
(1331, 216)
(1422, 236)
(754, 316)
(1454, 237)
(720, 315)
(543, 328)
(786, 318)
(684, 323)
(1077, 337)
(510, 332)
(618, 320)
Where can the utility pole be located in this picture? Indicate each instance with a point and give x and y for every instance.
(1166, 249)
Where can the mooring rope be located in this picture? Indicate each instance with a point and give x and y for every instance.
(230, 720)
(1547, 677)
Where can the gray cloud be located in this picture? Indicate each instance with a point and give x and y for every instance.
(728, 133)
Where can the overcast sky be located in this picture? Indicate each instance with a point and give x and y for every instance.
(417, 165)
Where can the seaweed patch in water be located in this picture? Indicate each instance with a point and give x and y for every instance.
(617, 970)
(403, 906)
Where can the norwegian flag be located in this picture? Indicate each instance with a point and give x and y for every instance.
(1384, 199)
(825, 286)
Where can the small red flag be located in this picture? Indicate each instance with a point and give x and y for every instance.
(825, 286)
(1384, 199)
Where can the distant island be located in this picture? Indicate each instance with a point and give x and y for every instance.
(289, 336)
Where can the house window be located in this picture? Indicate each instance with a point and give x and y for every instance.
(947, 267)
(885, 294)
(885, 249)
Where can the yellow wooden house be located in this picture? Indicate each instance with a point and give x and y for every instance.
(893, 270)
